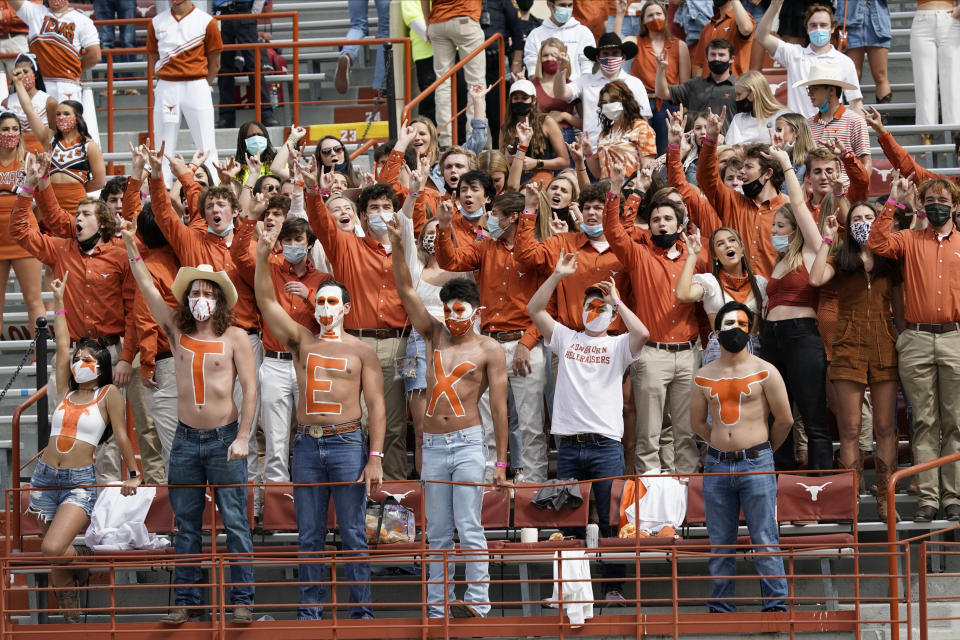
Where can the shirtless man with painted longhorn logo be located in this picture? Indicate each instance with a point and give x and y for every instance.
(461, 365)
(209, 447)
(332, 369)
(741, 390)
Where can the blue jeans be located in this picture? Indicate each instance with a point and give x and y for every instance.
(359, 30)
(723, 497)
(337, 458)
(659, 121)
(117, 10)
(458, 456)
(199, 456)
(598, 457)
(68, 483)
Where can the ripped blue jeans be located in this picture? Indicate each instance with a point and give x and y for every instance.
(62, 486)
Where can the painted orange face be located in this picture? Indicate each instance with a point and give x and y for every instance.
(330, 308)
(735, 320)
(594, 309)
(458, 316)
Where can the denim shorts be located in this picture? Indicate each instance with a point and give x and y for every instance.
(416, 348)
(868, 23)
(70, 488)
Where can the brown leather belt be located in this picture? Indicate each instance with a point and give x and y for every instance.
(934, 328)
(504, 336)
(379, 334)
(318, 431)
(279, 355)
(671, 346)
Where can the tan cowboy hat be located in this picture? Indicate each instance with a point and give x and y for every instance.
(825, 73)
(187, 275)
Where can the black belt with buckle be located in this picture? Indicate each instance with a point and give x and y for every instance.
(320, 431)
(504, 336)
(739, 454)
(934, 328)
(279, 355)
(580, 438)
(378, 334)
(672, 346)
(163, 355)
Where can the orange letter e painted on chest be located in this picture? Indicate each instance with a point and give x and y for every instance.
(317, 385)
(729, 392)
(444, 385)
(199, 350)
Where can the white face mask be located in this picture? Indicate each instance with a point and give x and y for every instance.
(597, 315)
(85, 371)
(329, 311)
(201, 308)
(612, 110)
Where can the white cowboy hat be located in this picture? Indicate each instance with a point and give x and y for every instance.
(187, 275)
(825, 73)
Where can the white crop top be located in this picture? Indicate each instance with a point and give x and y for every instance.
(82, 422)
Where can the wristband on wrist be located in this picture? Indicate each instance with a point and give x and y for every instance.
(27, 190)
(827, 240)
(587, 155)
(313, 189)
(325, 192)
(133, 473)
(709, 139)
(379, 454)
(523, 147)
(902, 207)
(790, 168)
(527, 212)
(611, 194)
(60, 312)
(673, 146)
(135, 259)
(415, 194)
(501, 465)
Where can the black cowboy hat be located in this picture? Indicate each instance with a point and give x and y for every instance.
(629, 49)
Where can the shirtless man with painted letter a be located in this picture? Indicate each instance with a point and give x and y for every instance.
(332, 370)
(209, 447)
(461, 365)
(741, 390)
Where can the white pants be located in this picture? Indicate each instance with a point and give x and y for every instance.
(528, 396)
(64, 89)
(934, 45)
(253, 454)
(192, 99)
(278, 385)
(162, 404)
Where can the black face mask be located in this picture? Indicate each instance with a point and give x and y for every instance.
(629, 192)
(733, 340)
(520, 109)
(524, 5)
(89, 243)
(665, 240)
(718, 67)
(745, 106)
(937, 213)
(563, 213)
(341, 168)
(752, 189)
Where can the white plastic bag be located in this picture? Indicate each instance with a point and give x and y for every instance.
(117, 523)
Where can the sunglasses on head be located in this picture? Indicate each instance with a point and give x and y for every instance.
(330, 150)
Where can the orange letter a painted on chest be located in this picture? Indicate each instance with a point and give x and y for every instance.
(199, 350)
(444, 385)
(729, 392)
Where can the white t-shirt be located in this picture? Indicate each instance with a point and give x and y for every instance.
(588, 396)
(714, 298)
(746, 129)
(798, 60)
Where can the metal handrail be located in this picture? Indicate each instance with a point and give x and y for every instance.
(15, 453)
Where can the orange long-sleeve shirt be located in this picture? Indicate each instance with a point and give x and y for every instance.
(281, 272)
(654, 274)
(505, 286)
(163, 266)
(902, 160)
(931, 268)
(100, 289)
(195, 247)
(698, 207)
(364, 266)
(753, 221)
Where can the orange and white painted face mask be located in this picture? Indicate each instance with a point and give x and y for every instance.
(329, 310)
(85, 369)
(597, 315)
(458, 316)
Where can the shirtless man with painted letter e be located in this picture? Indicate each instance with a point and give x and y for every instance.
(210, 447)
(461, 364)
(332, 370)
(741, 390)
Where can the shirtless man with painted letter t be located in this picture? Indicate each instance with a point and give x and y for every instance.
(741, 390)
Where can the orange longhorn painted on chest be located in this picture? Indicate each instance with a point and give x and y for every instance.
(729, 392)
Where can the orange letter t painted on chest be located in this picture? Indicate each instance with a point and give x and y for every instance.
(199, 349)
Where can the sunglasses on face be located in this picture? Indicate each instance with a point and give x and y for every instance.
(271, 188)
(330, 150)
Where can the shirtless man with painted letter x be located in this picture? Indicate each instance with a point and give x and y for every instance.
(741, 390)
(461, 364)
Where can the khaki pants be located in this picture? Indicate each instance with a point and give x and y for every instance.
(930, 373)
(661, 381)
(446, 38)
(162, 404)
(151, 455)
(395, 439)
(528, 397)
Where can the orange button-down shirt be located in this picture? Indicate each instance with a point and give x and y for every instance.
(698, 207)
(906, 163)
(163, 266)
(281, 272)
(363, 266)
(505, 286)
(194, 247)
(753, 222)
(653, 276)
(724, 26)
(592, 267)
(99, 293)
(931, 268)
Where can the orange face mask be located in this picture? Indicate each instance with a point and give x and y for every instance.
(458, 317)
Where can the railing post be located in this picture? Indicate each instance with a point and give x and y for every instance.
(43, 424)
(391, 89)
(257, 79)
(109, 109)
(922, 588)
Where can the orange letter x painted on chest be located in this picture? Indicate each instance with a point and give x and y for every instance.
(199, 350)
(444, 385)
(729, 392)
